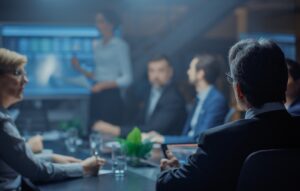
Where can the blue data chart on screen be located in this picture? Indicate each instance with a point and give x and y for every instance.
(286, 42)
(49, 50)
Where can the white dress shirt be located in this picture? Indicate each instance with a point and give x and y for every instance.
(155, 95)
(112, 62)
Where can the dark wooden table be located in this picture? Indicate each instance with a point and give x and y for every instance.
(135, 179)
(107, 182)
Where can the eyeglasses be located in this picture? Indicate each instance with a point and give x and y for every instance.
(229, 78)
(15, 72)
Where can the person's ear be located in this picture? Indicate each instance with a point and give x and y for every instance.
(239, 91)
(201, 74)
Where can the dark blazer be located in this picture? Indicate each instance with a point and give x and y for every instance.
(18, 162)
(294, 108)
(213, 113)
(168, 116)
(222, 150)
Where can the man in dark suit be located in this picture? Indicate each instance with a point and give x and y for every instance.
(210, 107)
(164, 110)
(258, 74)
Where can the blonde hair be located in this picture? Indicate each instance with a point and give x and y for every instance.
(11, 59)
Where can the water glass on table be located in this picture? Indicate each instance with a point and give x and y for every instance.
(119, 163)
(95, 143)
(71, 140)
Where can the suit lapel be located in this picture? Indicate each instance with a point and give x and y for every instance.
(202, 114)
(187, 126)
(161, 99)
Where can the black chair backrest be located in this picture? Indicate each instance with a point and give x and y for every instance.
(276, 169)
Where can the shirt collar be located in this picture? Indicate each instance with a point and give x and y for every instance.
(3, 110)
(295, 102)
(203, 94)
(157, 90)
(160, 88)
(4, 113)
(110, 42)
(267, 107)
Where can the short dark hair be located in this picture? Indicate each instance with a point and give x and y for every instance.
(210, 65)
(159, 58)
(260, 69)
(293, 69)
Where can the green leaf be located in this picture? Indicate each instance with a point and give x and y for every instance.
(135, 136)
(145, 149)
(133, 145)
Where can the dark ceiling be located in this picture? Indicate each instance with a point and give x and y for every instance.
(73, 11)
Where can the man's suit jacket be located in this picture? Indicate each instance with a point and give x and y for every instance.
(168, 117)
(222, 150)
(213, 113)
(294, 108)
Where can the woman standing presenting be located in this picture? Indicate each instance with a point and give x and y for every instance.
(112, 71)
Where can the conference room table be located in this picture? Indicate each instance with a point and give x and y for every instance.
(135, 178)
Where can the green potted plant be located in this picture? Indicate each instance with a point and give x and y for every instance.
(134, 148)
(71, 124)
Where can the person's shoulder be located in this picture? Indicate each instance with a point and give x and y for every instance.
(228, 130)
(172, 91)
(216, 93)
(171, 87)
(7, 128)
(4, 119)
(296, 119)
(216, 98)
(294, 109)
(232, 126)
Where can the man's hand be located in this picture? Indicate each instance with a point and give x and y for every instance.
(56, 158)
(170, 162)
(98, 87)
(92, 165)
(107, 128)
(103, 86)
(75, 63)
(155, 137)
(36, 144)
(145, 136)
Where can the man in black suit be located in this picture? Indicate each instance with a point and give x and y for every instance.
(258, 74)
(164, 108)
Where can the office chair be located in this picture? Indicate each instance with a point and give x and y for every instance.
(276, 169)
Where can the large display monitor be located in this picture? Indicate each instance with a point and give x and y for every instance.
(49, 50)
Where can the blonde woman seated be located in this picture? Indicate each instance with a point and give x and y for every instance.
(18, 165)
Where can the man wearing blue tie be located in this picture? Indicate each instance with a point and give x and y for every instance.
(210, 107)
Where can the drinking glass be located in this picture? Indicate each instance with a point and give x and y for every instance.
(95, 143)
(119, 164)
(71, 140)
